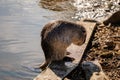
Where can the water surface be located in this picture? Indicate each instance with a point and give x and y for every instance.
(20, 24)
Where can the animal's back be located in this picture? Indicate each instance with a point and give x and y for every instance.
(58, 35)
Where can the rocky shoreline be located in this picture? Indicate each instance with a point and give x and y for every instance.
(105, 48)
(105, 44)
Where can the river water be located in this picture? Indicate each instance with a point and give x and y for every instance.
(20, 24)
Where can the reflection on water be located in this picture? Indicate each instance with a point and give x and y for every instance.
(20, 25)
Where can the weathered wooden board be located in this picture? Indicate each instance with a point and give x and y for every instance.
(58, 70)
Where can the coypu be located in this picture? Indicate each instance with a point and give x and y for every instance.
(114, 19)
(56, 36)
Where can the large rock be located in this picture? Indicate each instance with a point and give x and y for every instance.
(93, 71)
(114, 19)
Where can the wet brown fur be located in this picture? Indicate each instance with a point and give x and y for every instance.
(113, 19)
(56, 36)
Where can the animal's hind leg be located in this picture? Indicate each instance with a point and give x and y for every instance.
(45, 64)
(68, 58)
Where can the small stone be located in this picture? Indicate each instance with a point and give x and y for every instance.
(107, 10)
(118, 52)
(117, 46)
(96, 5)
(95, 44)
